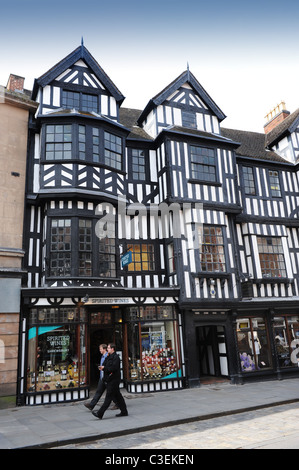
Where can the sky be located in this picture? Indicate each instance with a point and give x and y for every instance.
(244, 54)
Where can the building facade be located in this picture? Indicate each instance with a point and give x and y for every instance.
(159, 230)
(15, 108)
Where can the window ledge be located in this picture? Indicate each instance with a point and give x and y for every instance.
(273, 280)
(209, 183)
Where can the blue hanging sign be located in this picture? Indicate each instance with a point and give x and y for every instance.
(126, 259)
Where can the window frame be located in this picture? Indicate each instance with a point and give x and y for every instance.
(80, 99)
(217, 254)
(135, 171)
(272, 191)
(245, 168)
(87, 142)
(271, 259)
(76, 249)
(131, 268)
(194, 178)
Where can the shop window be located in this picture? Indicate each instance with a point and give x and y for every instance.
(56, 352)
(286, 333)
(271, 257)
(152, 344)
(253, 344)
(211, 249)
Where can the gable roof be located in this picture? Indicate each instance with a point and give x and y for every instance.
(289, 124)
(252, 145)
(80, 53)
(188, 77)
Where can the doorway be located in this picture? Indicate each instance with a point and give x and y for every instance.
(213, 360)
(97, 336)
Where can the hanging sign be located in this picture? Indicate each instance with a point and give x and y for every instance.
(126, 259)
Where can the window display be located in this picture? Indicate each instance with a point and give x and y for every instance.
(286, 334)
(56, 353)
(253, 344)
(152, 343)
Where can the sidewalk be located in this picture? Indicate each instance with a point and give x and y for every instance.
(52, 425)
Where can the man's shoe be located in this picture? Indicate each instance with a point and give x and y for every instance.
(96, 415)
(114, 407)
(122, 414)
(88, 405)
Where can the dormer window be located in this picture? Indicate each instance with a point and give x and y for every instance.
(81, 101)
(188, 119)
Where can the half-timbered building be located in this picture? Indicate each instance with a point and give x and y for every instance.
(159, 230)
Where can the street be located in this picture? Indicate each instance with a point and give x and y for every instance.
(269, 428)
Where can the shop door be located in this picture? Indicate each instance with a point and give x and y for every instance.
(101, 331)
(213, 359)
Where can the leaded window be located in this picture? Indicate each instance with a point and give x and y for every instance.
(248, 178)
(211, 249)
(107, 257)
(143, 258)
(189, 119)
(60, 250)
(274, 183)
(203, 164)
(85, 247)
(271, 257)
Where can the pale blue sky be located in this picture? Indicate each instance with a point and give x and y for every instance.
(245, 54)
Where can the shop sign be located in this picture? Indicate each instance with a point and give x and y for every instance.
(108, 301)
(126, 259)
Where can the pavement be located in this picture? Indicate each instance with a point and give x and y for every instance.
(54, 425)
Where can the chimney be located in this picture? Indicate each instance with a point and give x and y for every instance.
(275, 117)
(15, 83)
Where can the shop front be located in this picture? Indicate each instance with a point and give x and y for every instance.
(60, 347)
(241, 346)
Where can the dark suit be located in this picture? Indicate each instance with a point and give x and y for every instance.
(112, 380)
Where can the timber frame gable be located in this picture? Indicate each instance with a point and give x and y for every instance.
(78, 73)
(184, 102)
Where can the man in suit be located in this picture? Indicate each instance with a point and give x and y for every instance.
(111, 368)
(101, 386)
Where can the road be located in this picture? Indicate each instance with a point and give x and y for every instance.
(269, 428)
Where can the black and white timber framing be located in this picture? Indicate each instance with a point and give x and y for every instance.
(75, 182)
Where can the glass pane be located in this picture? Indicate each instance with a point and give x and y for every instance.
(53, 359)
(159, 358)
(133, 352)
(253, 344)
(282, 342)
